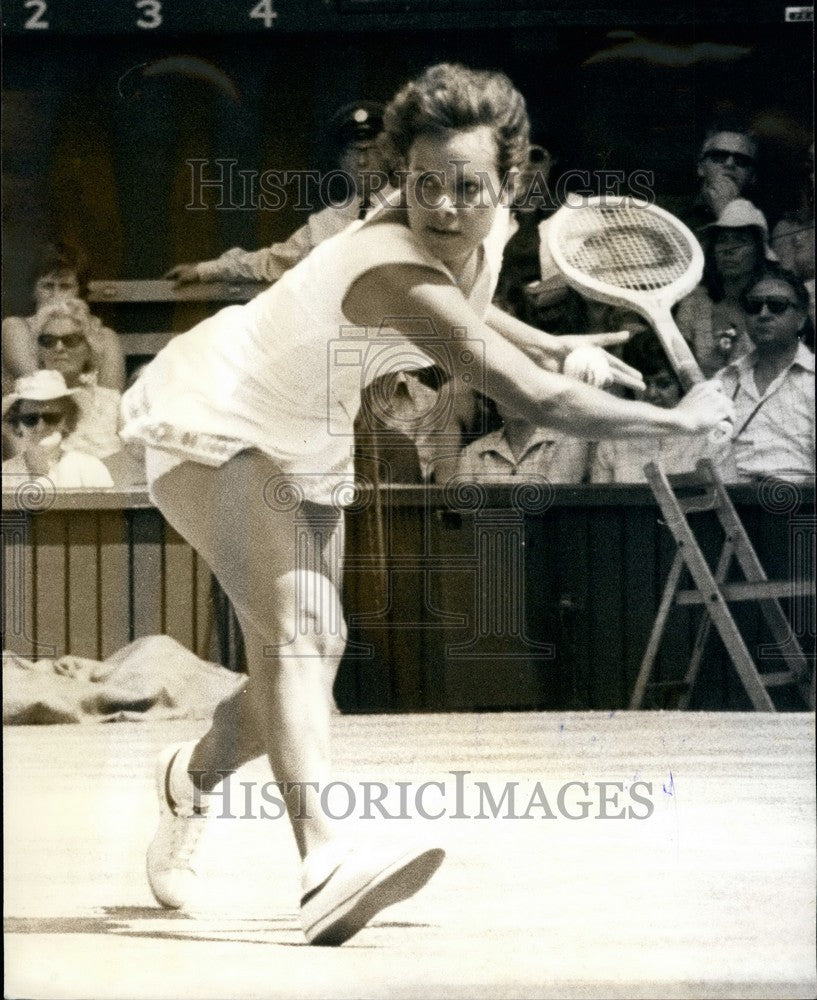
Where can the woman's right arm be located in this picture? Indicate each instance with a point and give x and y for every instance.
(397, 296)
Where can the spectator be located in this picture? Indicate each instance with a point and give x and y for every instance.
(624, 461)
(793, 244)
(548, 303)
(711, 318)
(520, 264)
(390, 428)
(60, 273)
(727, 170)
(354, 130)
(40, 414)
(793, 236)
(773, 386)
(520, 448)
(65, 334)
(414, 423)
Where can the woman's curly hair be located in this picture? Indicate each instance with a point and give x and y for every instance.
(449, 96)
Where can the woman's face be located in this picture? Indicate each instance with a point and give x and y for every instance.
(62, 346)
(36, 421)
(452, 192)
(735, 253)
(54, 287)
(774, 316)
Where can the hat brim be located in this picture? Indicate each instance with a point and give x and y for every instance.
(11, 398)
(712, 227)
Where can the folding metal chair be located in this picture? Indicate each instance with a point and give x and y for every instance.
(711, 591)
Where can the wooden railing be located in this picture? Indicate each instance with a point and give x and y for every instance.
(148, 313)
(489, 598)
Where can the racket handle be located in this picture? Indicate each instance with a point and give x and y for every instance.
(686, 366)
(678, 351)
(689, 376)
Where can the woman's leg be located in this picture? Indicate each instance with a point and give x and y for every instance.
(271, 559)
(276, 562)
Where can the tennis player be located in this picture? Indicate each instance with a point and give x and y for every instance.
(247, 422)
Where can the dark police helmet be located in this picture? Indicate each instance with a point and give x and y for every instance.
(360, 121)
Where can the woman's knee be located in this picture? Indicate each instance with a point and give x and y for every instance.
(302, 614)
(318, 615)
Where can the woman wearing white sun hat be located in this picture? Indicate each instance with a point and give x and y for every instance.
(38, 415)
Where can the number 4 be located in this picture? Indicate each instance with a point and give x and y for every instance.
(264, 11)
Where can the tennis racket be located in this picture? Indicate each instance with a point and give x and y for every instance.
(628, 253)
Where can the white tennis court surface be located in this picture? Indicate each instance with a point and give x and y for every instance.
(710, 895)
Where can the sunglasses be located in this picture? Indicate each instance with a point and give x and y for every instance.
(776, 306)
(722, 156)
(69, 340)
(48, 417)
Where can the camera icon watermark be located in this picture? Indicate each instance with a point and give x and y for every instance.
(370, 364)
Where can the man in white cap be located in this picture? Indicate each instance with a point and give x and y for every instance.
(711, 317)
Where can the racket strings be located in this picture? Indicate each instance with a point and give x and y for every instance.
(626, 247)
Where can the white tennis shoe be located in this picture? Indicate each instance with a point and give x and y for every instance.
(361, 884)
(171, 856)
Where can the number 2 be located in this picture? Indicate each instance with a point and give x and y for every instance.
(264, 11)
(152, 16)
(38, 8)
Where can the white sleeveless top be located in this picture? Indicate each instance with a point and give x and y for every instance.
(284, 373)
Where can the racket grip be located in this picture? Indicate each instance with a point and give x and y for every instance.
(678, 351)
(689, 375)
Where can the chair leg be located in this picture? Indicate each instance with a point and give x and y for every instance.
(664, 608)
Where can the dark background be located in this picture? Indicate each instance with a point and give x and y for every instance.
(98, 125)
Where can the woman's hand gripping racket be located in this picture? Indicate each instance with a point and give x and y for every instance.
(628, 253)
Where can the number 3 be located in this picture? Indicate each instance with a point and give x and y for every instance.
(36, 19)
(152, 17)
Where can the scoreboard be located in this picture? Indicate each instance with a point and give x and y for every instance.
(107, 103)
(184, 17)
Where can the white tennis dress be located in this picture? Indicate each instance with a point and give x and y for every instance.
(284, 373)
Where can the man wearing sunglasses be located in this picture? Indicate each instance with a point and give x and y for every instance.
(727, 170)
(772, 386)
(726, 167)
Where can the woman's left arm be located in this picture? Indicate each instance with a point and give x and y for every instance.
(547, 350)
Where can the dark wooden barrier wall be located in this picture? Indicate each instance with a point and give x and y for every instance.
(93, 572)
(588, 565)
(457, 600)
